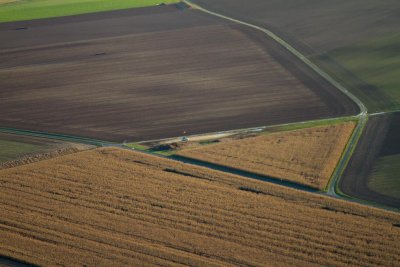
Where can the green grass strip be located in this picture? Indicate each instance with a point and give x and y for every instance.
(37, 9)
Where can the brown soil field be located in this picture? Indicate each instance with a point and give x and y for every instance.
(379, 140)
(322, 29)
(152, 73)
(316, 26)
(18, 150)
(307, 156)
(117, 207)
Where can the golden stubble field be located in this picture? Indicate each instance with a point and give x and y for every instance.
(307, 156)
(116, 207)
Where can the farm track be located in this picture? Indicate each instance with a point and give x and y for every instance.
(363, 115)
(170, 13)
(374, 144)
(275, 229)
(110, 85)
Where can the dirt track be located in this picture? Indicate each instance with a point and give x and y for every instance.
(152, 73)
(316, 26)
(376, 141)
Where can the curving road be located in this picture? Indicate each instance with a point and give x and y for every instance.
(363, 115)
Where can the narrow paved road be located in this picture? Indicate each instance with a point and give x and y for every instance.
(363, 115)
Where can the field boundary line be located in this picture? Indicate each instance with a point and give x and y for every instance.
(304, 59)
(250, 129)
(363, 115)
(63, 137)
(384, 112)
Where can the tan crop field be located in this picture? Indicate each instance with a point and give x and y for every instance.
(307, 156)
(117, 207)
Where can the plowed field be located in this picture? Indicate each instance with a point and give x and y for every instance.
(373, 171)
(152, 73)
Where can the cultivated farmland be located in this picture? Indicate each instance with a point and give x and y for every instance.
(152, 73)
(117, 207)
(307, 156)
(373, 171)
(356, 41)
(16, 150)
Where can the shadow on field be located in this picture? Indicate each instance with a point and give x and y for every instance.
(244, 173)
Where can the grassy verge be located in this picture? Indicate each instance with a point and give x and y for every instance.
(274, 129)
(308, 124)
(35, 9)
(351, 152)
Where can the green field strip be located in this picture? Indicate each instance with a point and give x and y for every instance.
(38, 9)
(10, 149)
(377, 62)
(385, 178)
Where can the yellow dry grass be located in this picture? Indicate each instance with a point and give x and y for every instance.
(116, 207)
(307, 156)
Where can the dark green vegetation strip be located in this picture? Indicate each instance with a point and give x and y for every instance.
(385, 177)
(36, 9)
(10, 149)
(308, 124)
(376, 63)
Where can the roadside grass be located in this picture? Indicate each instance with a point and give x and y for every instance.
(385, 178)
(269, 130)
(308, 124)
(137, 146)
(377, 62)
(36, 9)
(346, 163)
(151, 150)
(10, 150)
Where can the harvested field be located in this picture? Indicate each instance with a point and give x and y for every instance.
(355, 41)
(152, 73)
(112, 206)
(17, 150)
(373, 171)
(307, 156)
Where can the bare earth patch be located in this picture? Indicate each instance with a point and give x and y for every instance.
(143, 74)
(307, 156)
